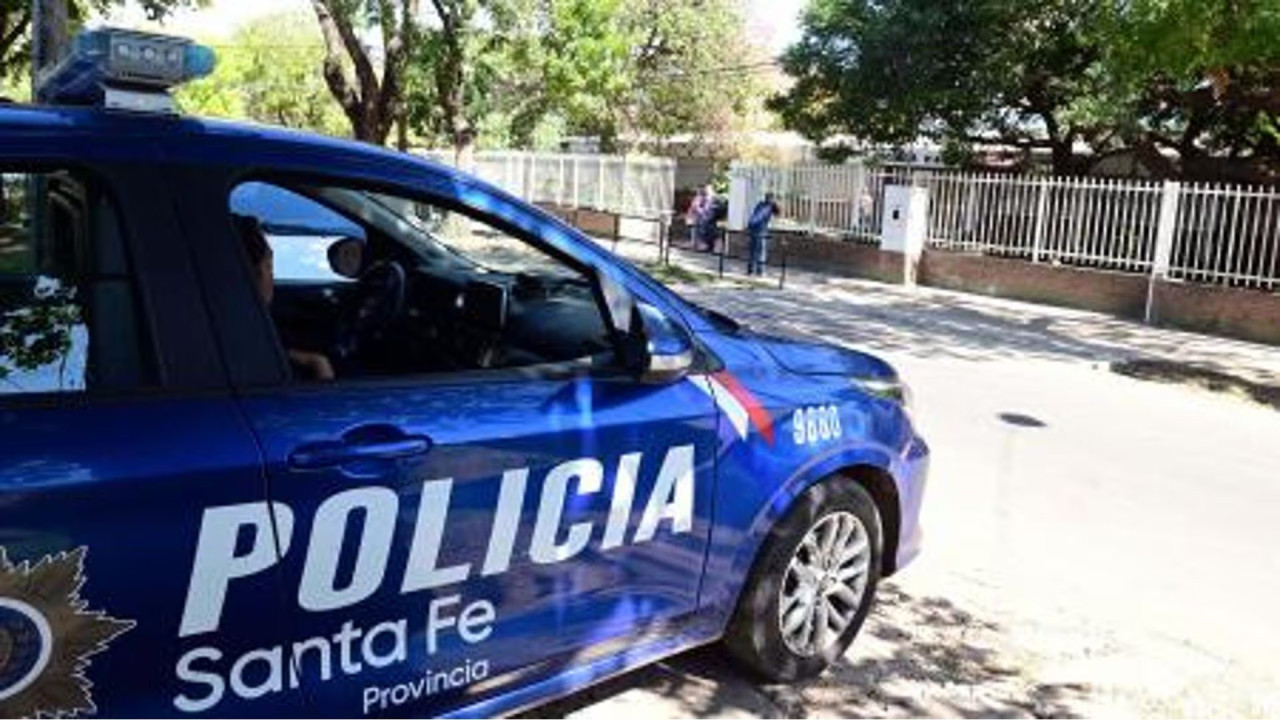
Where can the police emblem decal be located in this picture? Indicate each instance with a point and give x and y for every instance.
(47, 634)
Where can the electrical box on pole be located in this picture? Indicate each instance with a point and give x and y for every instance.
(904, 226)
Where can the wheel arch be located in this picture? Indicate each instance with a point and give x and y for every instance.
(735, 555)
(878, 483)
(883, 490)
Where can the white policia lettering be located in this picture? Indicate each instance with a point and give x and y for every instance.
(221, 557)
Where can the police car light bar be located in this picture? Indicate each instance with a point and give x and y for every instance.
(124, 69)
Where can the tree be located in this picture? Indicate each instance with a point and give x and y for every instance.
(463, 70)
(15, 22)
(15, 25)
(1200, 78)
(1187, 38)
(984, 70)
(578, 71)
(267, 72)
(1196, 77)
(696, 72)
(372, 101)
(515, 70)
(636, 70)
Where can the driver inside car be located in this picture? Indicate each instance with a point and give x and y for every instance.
(307, 364)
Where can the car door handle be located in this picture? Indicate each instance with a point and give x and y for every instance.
(314, 456)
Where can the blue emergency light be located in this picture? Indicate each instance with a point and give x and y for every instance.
(124, 69)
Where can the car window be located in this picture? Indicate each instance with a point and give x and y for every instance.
(433, 290)
(474, 240)
(67, 312)
(304, 258)
(299, 230)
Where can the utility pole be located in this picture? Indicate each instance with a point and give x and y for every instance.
(48, 43)
(48, 36)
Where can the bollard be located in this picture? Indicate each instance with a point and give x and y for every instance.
(723, 243)
(664, 235)
(782, 274)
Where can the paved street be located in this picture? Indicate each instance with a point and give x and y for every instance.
(1094, 543)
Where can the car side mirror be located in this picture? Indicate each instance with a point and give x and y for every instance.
(346, 257)
(650, 344)
(669, 349)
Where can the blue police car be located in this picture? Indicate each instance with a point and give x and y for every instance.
(296, 426)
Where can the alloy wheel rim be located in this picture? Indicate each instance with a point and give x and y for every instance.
(824, 584)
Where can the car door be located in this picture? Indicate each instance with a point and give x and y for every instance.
(120, 449)
(447, 536)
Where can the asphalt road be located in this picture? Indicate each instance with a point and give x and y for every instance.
(1095, 544)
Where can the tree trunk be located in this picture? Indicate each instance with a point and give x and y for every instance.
(402, 132)
(1063, 157)
(48, 37)
(369, 104)
(464, 150)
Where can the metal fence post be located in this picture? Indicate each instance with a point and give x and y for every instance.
(560, 183)
(724, 246)
(531, 179)
(622, 188)
(576, 199)
(859, 189)
(600, 183)
(813, 202)
(662, 237)
(1170, 198)
(1037, 240)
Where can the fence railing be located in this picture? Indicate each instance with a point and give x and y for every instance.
(1222, 234)
(845, 201)
(1227, 235)
(628, 185)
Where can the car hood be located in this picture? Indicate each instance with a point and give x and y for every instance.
(812, 358)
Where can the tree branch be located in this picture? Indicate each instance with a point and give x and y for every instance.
(338, 32)
(334, 76)
(11, 37)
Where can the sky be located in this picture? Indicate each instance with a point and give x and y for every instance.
(772, 22)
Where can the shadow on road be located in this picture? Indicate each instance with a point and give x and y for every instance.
(915, 657)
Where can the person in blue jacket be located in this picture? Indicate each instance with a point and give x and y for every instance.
(758, 230)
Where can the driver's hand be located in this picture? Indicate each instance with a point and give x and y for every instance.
(311, 365)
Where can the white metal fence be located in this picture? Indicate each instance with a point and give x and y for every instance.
(1222, 234)
(637, 186)
(1228, 235)
(845, 201)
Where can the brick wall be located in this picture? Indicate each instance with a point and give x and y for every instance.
(822, 254)
(1244, 314)
(592, 222)
(1116, 293)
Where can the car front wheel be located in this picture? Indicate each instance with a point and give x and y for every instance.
(812, 586)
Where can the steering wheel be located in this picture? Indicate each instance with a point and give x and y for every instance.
(375, 306)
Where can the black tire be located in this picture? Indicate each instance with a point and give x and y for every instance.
(754, 638)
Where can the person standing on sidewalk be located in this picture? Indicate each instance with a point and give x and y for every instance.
(707, 219)
(758, 231)
(693, 216)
